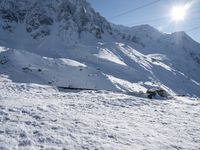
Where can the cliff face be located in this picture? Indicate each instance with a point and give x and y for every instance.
(39, 16)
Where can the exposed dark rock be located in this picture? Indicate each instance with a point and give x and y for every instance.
(26, 69)
(38, 16)
(196, 57)
(3, 60)
(153, 93)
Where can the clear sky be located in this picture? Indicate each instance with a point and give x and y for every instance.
(158, 15)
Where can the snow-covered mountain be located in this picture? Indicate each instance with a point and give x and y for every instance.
(66, 43)
(66, 19)
(69, 79)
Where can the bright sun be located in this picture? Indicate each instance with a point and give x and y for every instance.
(178, 13)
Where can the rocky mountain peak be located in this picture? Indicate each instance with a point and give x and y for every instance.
(38, 17)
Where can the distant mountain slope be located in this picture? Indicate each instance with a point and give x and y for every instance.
(66, 43)
(182, 52)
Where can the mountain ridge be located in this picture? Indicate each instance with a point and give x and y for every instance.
(125, 59)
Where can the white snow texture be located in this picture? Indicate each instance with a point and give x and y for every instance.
(69, 79)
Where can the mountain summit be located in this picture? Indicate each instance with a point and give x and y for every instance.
(70, 17)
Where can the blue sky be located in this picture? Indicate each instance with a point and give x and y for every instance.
(161, 11)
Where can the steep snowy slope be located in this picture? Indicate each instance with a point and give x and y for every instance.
(66, 43)
(181, 51)
(67, 20)
(24, 67)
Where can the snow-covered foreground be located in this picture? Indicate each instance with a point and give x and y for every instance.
(35, 117)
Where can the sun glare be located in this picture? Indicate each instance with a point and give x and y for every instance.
(178, 13)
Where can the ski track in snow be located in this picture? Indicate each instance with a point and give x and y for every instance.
(41, 117)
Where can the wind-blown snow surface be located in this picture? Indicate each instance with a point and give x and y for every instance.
(42, 117)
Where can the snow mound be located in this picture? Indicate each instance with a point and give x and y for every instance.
(25, 67)
(40, 117)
